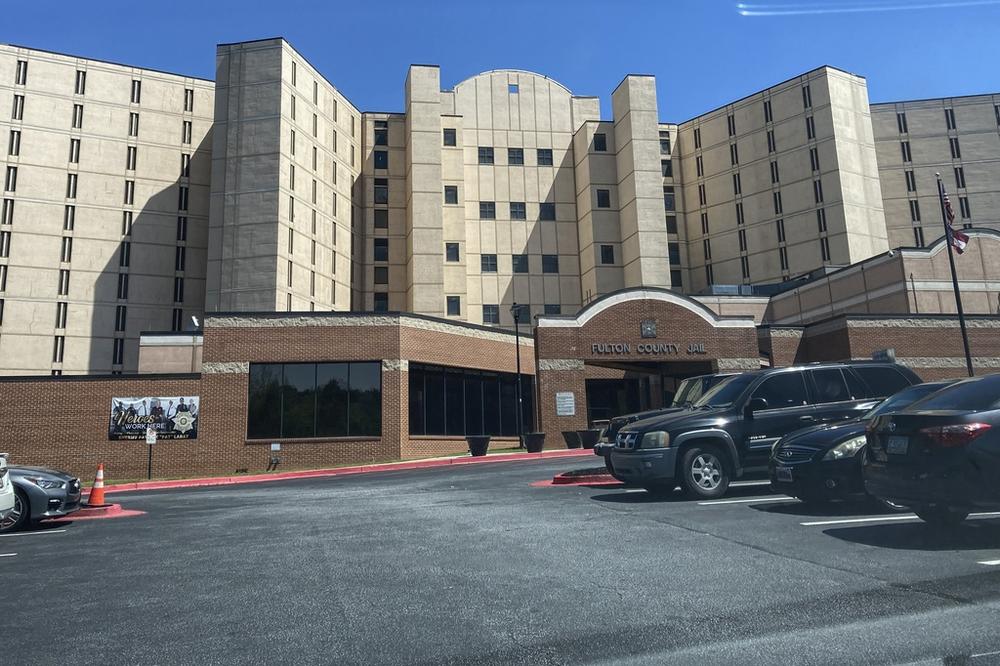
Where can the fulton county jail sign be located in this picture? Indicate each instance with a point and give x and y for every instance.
(647, 348)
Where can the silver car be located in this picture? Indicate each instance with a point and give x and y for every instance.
(7, 496)
(40, 493)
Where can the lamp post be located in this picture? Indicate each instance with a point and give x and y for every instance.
(516, 311)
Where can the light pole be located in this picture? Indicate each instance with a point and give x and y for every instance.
(516, 311)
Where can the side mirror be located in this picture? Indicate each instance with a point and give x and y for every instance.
(755, 405)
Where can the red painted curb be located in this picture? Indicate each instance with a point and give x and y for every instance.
(567, 479)
(341, 471)
(95, 513)
(550, 483)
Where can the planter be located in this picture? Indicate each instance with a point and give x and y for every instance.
(588, 438)
(572, 439)
(478, 444)
(534, 441)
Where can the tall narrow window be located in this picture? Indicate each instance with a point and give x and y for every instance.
(604, 198)
(381, 132)
(731, 122)
(133, 124)
(814, 158)
(780, 227)
(185, 166)
(918, 236)
(810, 127)
(125, 254)
(600, 143)
(771, 145)
(7, 215)
(824, 247)
(122, 285)
(315, 125)
(21, 73)
(177, 319)
(664, 143)
(783, 257)
(315, 158)
(775, 176)
(291, 142)
(904, 147)
(66, 253)
(963, 205)
(10, 181)
(901, 122)
(182, 228)
(69, 218)
(960, 177)
(186, 132)
(188, 99)
(734, 154)
(949, 118)
(745, 267)
(914, 211)
(702, 199)
(180, 257)
(179, 289)
(118, 352)
(911, 181)
(3, 277)
(71, 180)
(14, 144)
(742, 237)
(737, 184)
(127, 223)
(129, 192)
(130, 157)
(821, 220)
(697, 137)
(291, 108)
(121, 313)
(136, 91)
(699, 165)
(818, 191)
(956, 150)
(63, 282)
(706, 246)
(182, 198)
(807, 100)
(58, 348)
(704, 223)
(777, 203)
(709, 274)
(669, 198)
(739, 213)
(4, 244)
(768, 117)
(18, 111)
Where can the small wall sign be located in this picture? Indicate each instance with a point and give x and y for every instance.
(565, 403)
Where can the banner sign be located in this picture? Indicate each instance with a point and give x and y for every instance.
(169, 418)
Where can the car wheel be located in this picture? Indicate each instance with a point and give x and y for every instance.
(703, 473)
(940, 516)
(885, 505)
(19, 515)
(608, 465)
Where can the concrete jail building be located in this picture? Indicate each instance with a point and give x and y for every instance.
(368, 261)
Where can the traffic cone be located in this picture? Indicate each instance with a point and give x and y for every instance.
(97, 491)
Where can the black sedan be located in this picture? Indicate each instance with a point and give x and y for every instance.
(40, 493)
(823, 463)
(941, 456)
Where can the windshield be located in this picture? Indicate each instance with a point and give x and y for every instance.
(969, 395)
(725, 393)
(687, 392)
(902, 399)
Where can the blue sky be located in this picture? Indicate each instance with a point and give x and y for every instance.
(704, 53)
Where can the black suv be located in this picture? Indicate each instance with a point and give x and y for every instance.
(731, 429)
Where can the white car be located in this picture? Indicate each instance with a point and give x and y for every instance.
(6, 488)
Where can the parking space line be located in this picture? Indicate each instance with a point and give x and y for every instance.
(635, 490)
(7, 554)
(747, 484)
(18, 534)
(782, 498)
(880, 519)
(991, 563)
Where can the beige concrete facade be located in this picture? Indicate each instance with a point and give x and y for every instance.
(506, 188)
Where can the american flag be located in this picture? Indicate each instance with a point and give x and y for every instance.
(956, 238)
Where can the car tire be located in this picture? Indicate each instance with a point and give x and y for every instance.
(703, 472)
(885, 505)
(941, 516)
(19, 515)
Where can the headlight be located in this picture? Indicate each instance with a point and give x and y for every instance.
(655, 440)
(48, 484)
(846, 449)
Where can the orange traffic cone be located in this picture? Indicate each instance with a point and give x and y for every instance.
(97, 491)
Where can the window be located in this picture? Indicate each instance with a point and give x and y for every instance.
(17, 113)
(314, 400)
(669, 202)
(4, 244)
(291, 108)
(133, 124)
(768, 116)
(120, 317)
(69, 218)
(291, 142)
(960, 177)
(901, 122)
(904, 147)
(810, 127)
(911, 182)
(915, 211)
(956, 150)
(381, 159)
(487, 210)
(671, 224)
(814, 158)
(818, 191)
(731, 122)
(21, 73)
(963, 205)
(188, 99)
(291, 177)
(512, 88)
(739, 213)
(71, 181)
(177, 319)
(180, 256)
(122, 284)
(601, 143)
(451, 194)
(381, 302)
(130, 156)
(10, 182)
(381, 275)
(704, 223)
(737, 184)
(607, 254)
(697, 137)
(454, 401)
(785, 389)
(771, 145)
(674, 252)
(3, 277)
(949, 118)
(381, 218)
(485, 154)
(381, 190)
(675, 278)
(996, 112)
(136, 91)
(702, 199)
(182, 228)
(824, 247)
(448, 136)
(381, 132)
(807, 100)
(734, 154)
(550, 263)
(742, 236)
(291, 208)
(779, 226)
(491, 314)
(454, 305)
(667, 168)
(182, 197)
(775, 176)
(381, 249)
(604, 198)
(7, 215)
(745, 267)
(515, 156)
(178, 290)
(709, 274)
(706, 246)
(66, 250)
(544, 156)
(918, 236)
(519, 263)
(129, 192)
(777, 202)
(186, 132)
(59, 346)
(14, 144)
(518, 211)
(546, 211)
(488, 263)
(783, 257)
(664, 143)
(883, 381)
(821, 219)
(699, 166)
(124, 254)
(830, 386)
(451, 251)
(552, 309)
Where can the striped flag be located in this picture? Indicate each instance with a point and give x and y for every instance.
(957, 239)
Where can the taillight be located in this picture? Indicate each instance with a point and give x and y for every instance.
(952, 436)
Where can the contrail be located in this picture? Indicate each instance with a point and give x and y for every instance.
(744, 9)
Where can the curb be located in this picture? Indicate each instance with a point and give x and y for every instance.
(340, 471)
(96, 512)
(565, 479)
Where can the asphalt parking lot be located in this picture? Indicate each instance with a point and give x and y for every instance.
(472, 564)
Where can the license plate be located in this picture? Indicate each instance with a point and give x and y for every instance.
(898, 445)
(783, 473)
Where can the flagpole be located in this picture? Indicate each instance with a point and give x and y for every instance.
(954, 275)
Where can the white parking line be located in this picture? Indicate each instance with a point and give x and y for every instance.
(747, 484)
(781, 498)
(17, 534)
(991, 563)
(635, 490)
(880, 519)
(7, 554)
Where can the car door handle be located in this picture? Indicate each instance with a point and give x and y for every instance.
(807, 418)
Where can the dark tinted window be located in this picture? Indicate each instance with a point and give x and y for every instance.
(786, 389)
(727, 392)
(298, 410)
(971, 395)
(854, 385)
(830, 385)
(332, 394)
(904, 399)
(460, 402)
(883, 381)
(264, 404)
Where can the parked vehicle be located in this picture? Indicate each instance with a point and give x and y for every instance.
(940, 456)
(823, 463)
(40, 493)
(730, 431)
(6, 488)
(689, 391)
